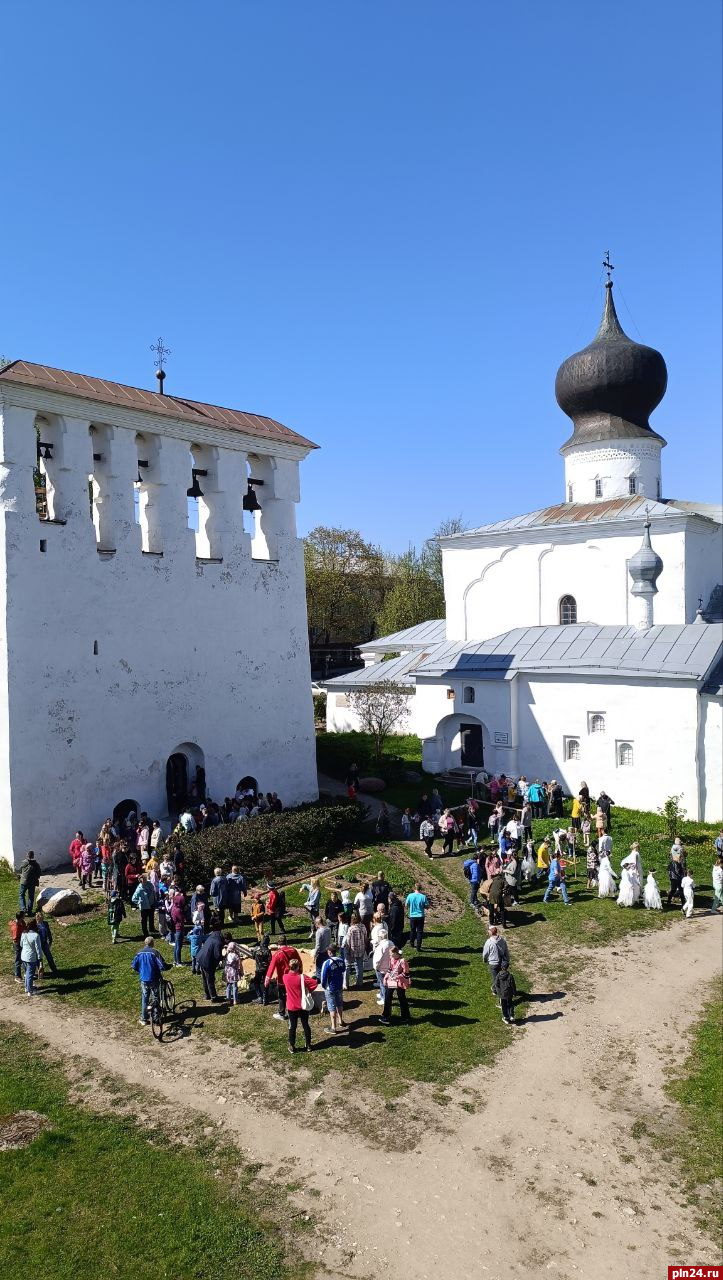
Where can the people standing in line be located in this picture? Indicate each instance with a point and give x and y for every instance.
(297, 985)
(87, 860)
(495, 952)
(279, 965)
(606, 804)
(606, 877)
(262, 963)
(322, 942)
(356, 948)
(472, 869)
(331, 979)
(231, 971)
(177, 915)
(496, 900)
(149, 966)
(333, 911)
(116, 914)
(272, 907)
(313, 899)
(235, 890)
(380, 889)
(218, 893)
(555, 799)
(30, 873)
(505, 989)
(364, 903)
(208, 961)
(31, 955)
(381, 959)
(46, 941)
(397, 980)
(75, 849)
(537, 798)
(717, 903)
(17, 927)
(447, 827)
(427, 834)
(416, 904)
(144, 898)
(395, 919)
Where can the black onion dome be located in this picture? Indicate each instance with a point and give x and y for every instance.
(611, 387)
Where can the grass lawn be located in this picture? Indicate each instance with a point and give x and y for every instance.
(402, 753)
(698, 1088)
(96, 1196)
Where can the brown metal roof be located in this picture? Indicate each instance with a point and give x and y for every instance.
(46, 378)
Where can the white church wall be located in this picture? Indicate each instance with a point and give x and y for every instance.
(711, 738)
(703, 565)
(441, 725)
(342, 718)
(599, 471)
(115, 658)
(489, 590)
(658, 722)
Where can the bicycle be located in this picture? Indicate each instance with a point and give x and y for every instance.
(161, 1006)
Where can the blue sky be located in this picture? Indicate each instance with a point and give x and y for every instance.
(381, 223)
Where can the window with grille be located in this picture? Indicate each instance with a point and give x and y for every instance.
(625, 754)
(468, 695)
(568, 611)
(597, 722)
(632, 485)
(572, 748)
(598, 488)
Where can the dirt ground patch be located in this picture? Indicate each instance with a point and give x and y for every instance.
(533, 1167)
(19, 1129)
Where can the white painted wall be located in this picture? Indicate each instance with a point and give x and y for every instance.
(493, 587)
(613, 463)
(189, 651)
(711, 739)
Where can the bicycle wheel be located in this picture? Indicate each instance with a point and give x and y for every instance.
(157, 1018)
(168, 999)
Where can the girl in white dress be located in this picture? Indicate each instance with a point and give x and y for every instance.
(652, 898)
(529, 866)
(688, 887)
(606, 887)
(626, 896)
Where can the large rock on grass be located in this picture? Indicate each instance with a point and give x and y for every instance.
(59, 902)
(370, 785)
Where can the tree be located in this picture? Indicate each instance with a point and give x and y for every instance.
(346, 581)
(673, 815)
(380, 707)
(418, 591)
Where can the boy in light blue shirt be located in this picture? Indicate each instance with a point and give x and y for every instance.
(416, 904)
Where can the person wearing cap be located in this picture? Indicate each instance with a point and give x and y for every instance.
(149, 966)
(495, 952)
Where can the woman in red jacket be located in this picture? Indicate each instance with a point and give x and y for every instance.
(294, 1008)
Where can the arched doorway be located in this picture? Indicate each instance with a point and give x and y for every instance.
(248, 784)
(459, 742)
(121, 811)
(185, 778)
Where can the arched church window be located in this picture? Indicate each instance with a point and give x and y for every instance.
(598, 488)
(569, 493)
(572, 748)
(568, 611)
(632, 485)
(597, 723)
(625, 754)
(468, 695)
(659, 490)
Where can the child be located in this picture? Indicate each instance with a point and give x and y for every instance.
(347, 906)
(717, 903)
(87, 858)
(606, 879)
(528, 863)
(231, 970)
(407, 824)
(651, 897)
(592, 864)
(196, 939)
(586, 827)
(257, 915)
(687, 885)
(505, 988)
(116, 913)
(262, 956)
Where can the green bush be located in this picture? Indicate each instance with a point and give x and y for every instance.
(273, 843)
(320, 707)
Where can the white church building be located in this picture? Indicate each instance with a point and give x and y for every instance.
(146, 658)
(583, 640)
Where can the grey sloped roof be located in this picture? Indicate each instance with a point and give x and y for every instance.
(418, 637)
(714, 683)
(665, 652)
(600, 512)
(400, 670)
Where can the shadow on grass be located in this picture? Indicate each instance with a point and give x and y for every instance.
(77, 978)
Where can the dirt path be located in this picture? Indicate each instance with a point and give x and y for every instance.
(543, 1178)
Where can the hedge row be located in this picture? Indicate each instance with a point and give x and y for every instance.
(273, 843)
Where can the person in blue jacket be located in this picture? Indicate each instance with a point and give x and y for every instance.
(473, 869)
(149, 966)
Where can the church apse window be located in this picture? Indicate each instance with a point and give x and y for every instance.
(625, 755)
(572, 748)
(632, 485)
(568, 611)
(598, 488)
(468, 693)
(569, 493)
(596, 722)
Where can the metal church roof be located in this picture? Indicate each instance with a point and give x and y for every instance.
(577, 513)
(418, 637)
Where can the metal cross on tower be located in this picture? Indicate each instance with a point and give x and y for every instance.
(160, 352)
(608, 265)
